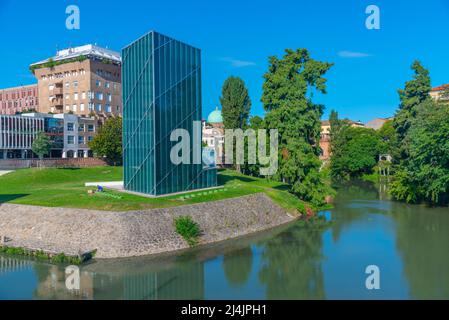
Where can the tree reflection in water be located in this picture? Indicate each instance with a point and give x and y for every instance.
(291, 265)
(237, 266)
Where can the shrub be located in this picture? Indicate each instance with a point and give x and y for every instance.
(188, 229)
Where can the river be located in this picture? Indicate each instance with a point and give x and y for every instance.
(409, 245)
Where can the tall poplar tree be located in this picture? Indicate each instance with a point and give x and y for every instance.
(235, 103)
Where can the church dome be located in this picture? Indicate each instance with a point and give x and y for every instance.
(215, 117)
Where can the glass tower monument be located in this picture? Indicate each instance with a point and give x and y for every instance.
(161, 80)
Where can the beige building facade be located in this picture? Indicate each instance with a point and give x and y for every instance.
(84, 81)
(437, 93)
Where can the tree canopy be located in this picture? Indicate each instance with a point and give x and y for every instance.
(415, 92)
(235, 103)
(290, 83)
(108, 141)
(424, 177)
(422, 174)
(41, 145)
(355, 152)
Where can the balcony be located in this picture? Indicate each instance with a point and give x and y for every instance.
(57, 91)
(57, 103)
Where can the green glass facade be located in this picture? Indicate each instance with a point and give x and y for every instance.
(161, 80)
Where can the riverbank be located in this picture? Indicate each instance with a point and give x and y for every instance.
(66, 188)
(135, 233)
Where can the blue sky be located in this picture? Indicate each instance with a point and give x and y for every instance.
(237, 37)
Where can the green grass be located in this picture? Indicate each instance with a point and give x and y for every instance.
(65, 188)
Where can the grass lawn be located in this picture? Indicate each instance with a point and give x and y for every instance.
(65, 188)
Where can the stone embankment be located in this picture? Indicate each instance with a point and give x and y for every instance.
(136, 233)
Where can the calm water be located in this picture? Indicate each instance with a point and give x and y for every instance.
(410, 245)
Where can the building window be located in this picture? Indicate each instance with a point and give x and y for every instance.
(75, 96)
(51, 87)
(67, 84)
(67, 96)
(70, 126)
(99, 107)
(70, 140)
(90, 128)
(108, 108)
(91, 106)
(90, 138)
(99, 95)
(81, 127)
(75, 84)
(83, 95)
(98, 83)
(67, 108)
(80, 139)
(82, 107)
(107, 85)
(109, 97)
(74, 108)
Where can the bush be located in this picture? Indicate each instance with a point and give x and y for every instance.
(188, 229)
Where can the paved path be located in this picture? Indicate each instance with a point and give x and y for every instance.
(3, 172)
(138, 233)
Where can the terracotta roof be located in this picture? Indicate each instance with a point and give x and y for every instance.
(441, 88)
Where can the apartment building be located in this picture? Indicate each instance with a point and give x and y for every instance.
(84, 81)
(19, 99)
(438, 93)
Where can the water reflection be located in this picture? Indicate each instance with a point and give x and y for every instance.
(237, 266)
(291, 265)
(422, 240)
(408, 243)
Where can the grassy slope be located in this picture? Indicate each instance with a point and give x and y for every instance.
(65, 188)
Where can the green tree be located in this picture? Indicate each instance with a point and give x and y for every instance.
(336, 126)
(235, 103)
(41, 145)
(334, 122)
(356, 153)
(387, 134)
(424, 177)
(287, 98)
(108, 141)
(255, 123)
(416, 91)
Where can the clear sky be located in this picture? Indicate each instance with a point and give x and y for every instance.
(238, 36)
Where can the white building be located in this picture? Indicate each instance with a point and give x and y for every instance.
(213, 135)
(68, 133)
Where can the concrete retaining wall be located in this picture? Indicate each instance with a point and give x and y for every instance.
(138, 233)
